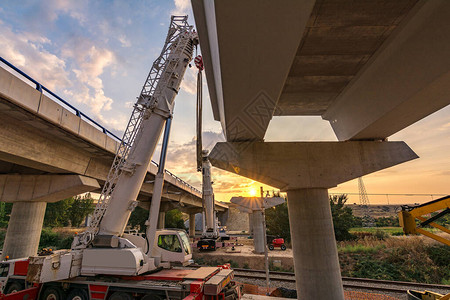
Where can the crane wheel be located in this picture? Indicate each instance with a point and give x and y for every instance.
(78, 294)
(52, 293)
(14, 287)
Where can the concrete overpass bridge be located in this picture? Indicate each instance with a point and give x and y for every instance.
(50, 151)
(370, 68)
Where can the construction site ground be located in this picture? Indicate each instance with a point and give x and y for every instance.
(244, 257)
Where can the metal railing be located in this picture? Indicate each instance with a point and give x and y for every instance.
(41, 88)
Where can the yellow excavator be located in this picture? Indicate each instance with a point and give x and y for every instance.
(409, 214)
(413, 221)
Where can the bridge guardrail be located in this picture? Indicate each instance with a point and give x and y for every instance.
(41, 88)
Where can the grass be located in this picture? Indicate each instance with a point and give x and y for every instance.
(411, 258)
(388, 230)
(360, 248)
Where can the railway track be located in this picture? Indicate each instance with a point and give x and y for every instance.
(362, 284)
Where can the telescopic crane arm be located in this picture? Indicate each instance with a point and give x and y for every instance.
(204, 165)
(152, 111)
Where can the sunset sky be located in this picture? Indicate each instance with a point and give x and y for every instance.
(96, 55)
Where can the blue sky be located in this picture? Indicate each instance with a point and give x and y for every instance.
(96, 55)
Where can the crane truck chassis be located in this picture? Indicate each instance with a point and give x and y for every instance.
(175, 283)
(105, 262)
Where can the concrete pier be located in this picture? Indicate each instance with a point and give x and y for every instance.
(162, 220)
(192, 225)
(250, 224)
(314, 245)
(24, 229)
(306, 170)
(30, 195)
(258, 231)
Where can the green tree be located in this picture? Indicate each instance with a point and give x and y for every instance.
(174, 219)
(277, 221)
(56, 214)
(138, 218)
(5, 212)
(343, 218)
(80, 208)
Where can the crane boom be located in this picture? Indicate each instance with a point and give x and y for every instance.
(153, 107)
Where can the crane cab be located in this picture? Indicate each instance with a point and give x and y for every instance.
(173, 246)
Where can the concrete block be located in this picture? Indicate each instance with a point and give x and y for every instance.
(18, 92)
(50, 110)
(70, 121)
(92, 134)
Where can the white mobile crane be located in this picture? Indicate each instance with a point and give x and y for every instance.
(210, 233)
(105, 263)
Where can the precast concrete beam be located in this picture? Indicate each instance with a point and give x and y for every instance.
(403, 82)
(296, 165)
(245, 69)
(44, 188)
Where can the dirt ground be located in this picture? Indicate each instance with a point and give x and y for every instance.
(245, 258)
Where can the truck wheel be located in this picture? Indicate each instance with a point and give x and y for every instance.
(151, 297)
(120, 296)
(52, 293)
(283, 247)
(271, 247)
(78, 294)
(14, 287)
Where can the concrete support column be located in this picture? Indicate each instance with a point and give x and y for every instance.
(192, 225)
(162, 220)
(250, 224)
(316, 263)
(24, 229)
(258, 231)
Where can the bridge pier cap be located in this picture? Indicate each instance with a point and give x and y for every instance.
(299, 165)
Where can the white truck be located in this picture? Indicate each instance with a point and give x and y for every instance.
(106, 263)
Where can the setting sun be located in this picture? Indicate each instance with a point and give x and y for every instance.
(253, 192)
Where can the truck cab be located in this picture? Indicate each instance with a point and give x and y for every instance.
(12, 275)
(173, 246)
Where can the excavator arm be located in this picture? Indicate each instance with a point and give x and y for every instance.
(408, 215)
